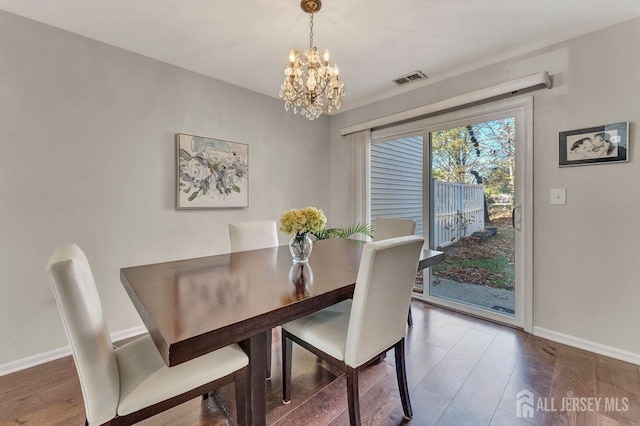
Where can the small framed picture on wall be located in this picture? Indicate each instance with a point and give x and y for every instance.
(595, 145)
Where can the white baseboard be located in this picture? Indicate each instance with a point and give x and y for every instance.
(128, 333)
(587, 345)
(32, 361)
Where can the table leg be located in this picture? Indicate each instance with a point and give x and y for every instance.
(256, 349)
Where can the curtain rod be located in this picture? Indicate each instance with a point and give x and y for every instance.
(509, 88)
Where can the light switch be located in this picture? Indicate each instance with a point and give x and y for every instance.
(558, 196)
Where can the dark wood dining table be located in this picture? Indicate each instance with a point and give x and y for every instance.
(194, 306)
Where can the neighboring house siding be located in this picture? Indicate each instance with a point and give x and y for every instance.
(396, 180)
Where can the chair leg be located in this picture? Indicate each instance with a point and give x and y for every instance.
(269, 341)
(410, 318)
(353, 396)
(401, 373)
(241, 391)
(287, 349)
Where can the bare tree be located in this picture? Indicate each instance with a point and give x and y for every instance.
(488, 148)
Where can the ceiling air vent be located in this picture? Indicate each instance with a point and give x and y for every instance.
(410, 78)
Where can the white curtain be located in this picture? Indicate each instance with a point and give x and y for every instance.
(360, 175)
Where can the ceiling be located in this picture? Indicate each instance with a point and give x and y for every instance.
(246, 42)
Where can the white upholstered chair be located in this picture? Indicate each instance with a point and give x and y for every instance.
(255, 236)
(131, 383)
(391, 228)
(368, 325)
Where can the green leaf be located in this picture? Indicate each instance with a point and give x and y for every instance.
(358, 228)
(321, 235)
(193, 196)
(236, 188)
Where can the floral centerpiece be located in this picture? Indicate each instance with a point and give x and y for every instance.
(302, 222)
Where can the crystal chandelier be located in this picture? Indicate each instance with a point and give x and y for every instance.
(311, 86)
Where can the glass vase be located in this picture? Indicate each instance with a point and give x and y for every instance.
(300, 247)
(301, 277)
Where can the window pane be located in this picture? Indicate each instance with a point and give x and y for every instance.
(397, 180)
(473, 179)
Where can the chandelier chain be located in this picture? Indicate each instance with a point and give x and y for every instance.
(311, 31)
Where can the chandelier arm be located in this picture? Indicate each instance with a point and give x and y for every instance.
(311, 98)
(316, 92)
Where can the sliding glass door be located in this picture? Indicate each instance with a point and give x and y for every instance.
(465, 178)
(473, 168)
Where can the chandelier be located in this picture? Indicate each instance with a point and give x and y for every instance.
(311, 86)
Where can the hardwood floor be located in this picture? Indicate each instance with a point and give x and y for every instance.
(461, 371)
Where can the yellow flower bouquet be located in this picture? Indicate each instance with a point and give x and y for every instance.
(302, 222)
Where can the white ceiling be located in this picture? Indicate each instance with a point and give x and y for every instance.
(246, 42)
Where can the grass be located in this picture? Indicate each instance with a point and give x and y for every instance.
(489, 264)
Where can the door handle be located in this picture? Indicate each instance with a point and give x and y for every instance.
(513, 218)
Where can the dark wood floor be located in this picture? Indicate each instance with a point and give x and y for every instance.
(461, 371)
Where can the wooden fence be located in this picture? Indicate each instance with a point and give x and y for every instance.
(458, 210)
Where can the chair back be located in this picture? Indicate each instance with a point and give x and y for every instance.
(253, 235)
(381, 297)
(391, 228)
(81, 311)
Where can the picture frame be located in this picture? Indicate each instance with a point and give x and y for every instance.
(594, 145)
(211, 173)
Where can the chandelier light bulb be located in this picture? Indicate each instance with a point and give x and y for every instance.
(311, 81)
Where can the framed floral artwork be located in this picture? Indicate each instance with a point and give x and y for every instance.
(595, 145)
(211, 173)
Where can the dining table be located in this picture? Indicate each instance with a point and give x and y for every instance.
(194, 306)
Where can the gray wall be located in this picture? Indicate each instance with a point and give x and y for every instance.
(88, 156)
(586, 253)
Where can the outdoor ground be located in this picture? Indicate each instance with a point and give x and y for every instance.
(489, 263)
(479, 273)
